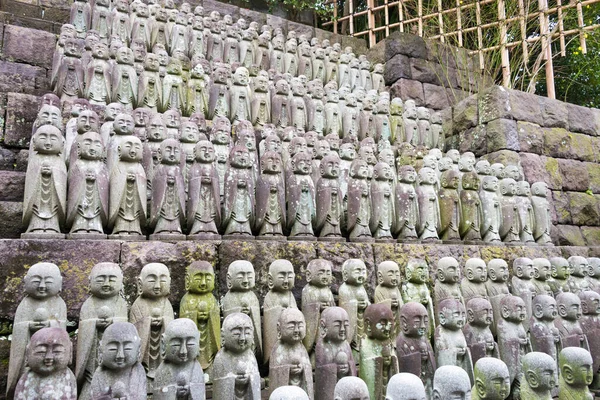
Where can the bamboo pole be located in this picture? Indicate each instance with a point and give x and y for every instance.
(441, 21)
(401, 16)
(479, 35)
(371, 22)
(503, 40)
(581, 24)
(459, 23)
(420, 14)
(546, 48)
(523, 28)
(351, 15)
(561, 28)
(335, 16)
(387, 19)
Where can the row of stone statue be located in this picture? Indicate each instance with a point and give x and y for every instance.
(389, 336)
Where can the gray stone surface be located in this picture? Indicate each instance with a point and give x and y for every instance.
(12, 185)
(10, 214)
(425, 71)
(396, 68)
(562, 208)
(525, 107)
(554, 113)
(584, 209)
(575, 175)
(531, 137)
(250, 16)
(21, 111)
(494, 103)
(8, 158)
(29, 46)
(502, 134)
(22, 77)
(301, 29)
(409, 89)
(584, 120)
(436, 96)
(405, 43)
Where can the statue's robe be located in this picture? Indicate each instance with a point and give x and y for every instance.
(372, 369)
(429, 212)
(274, 303)
(449, 214)
(87, 202)
(204, 204)
(491, 216)
(329, 216)
(358, 206)
(280, 368)
(477, 346)
(167, 205)
(167, 377)
(245, 302)
(301, 205)
(210, 331)
(471, 215)
(225, 371)
(149, 93)
(383, 212)
(270, 205)
(410, 353)
(218, 100)
(124, 85)
(326, 371)
(98, 81)
(32, 385)
(127, 211)
(312, 297)
(238, 205)
(348, 300)
(407, 211)
(197, 95)
(446, 350)
(133, 381)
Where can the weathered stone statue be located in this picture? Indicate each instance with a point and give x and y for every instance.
(491, 380)
(270, 201)
(409, 116)
(189, 136)
(450, 211)
(351, 387)
(544, 335)
(429, 207)
(240, 94)
(288, 393)
(513, 342)
(280, 113)
(298, 109)
(289, 363)
(41, 307)
(104, 307)
(542, 272)
(358, 203)
(491, 210)
(539, 376)
(450, 343)
(406, 205)
(576, 374)
(173, 89)
(180, 374)
(415, 287)
(120, 374)
(366, 119)
(541, 213)
(97, 76)
(48, 356)
(329, 201)
(333, 117)
(260, 103)
(450, 379)
(383, 214)
(522, 284)
(241, 299)
(219, 101)
(378, 360)
(354, 299)
(590, 325)
(202, 307)
(525, 209)
(47, 115)
(593, 274)
(567, 323)
(396, 121)
(68, 80)
(280, 279)
(197, 91)
(124, 82)
(316, 297)
(123, 127)
(473, 283)
(510, 226)
(235, 367)
(471, 209)
(388, 290)
(405, 386)
(414, 351)
(151, 312)
(350, 118)
(447, 285)
(497, 287)
(478, 335)
(437, 133)
(301, 200)
(149, 92)
(578, 267)
(561, 273)
(239, 201)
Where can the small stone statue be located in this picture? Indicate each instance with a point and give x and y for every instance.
(351, 387)
(539, 376)
(104, 307)
(513, 342)
(429, 207)
(289, 363)
(491, 210)
(41, 307)
(270, 198)
(241, 299)
(149, 92)
(542, 272)
(124, 82)
(260, 106)
(450, 343)
(478, 335)
(415, 287)
(316, 297)
(413, 348)
(525, 208)
(97, 76)
(180, 374)
(578, 267)
(449, 206)
(593, 274)
(405, 386)
(437, 133)
(120, 374)
(123, 127)
(197, 91)
(235, 367)
(354, 299)
(576, 374)
(298, 109)
(329, 201)
(202, 307)
(561, 273)
(474, 278)
(48, 356)
(407, 206)
(218, 101)
(333, 116)
(239, 92)
(173, 89)
(491, 380)
(280, 113)
(127, 205)
(151, 312)
(544, 335)
(522, 284)
(288, 393)
(383, 215)
(447, 285)
(496, 286)
(411, 129)
(358, 203)
(569, 313)
(590, 325)
(510, 226)
(541, 213)
(388, 290)
(45, 199)
(68, 80)
(451, 382)
(378, 360)
(300, 196)
(239, 201)
(470, 207)
(48, 115)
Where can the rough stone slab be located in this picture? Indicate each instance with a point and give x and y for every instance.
(456, 95)
(175, 255)
(75, 258)
(396, 68)
(465, 114)
(557, 143)
(533, 168)
(408, 89)
(525, 107)
(223, 8)
(506, 157)
(21, 111)
(261, 254)
(575, 175)
(448, 55)
(29, 46)
(554, 113)
(22, 158)
(568, 235)
(322, 34)
(584, 209)
(494, 103)
(474, 140)
(253, 16)
(359, 45)
(452, 78)
(531, 137)
(582, 147)
(591, 234)
(502, 134)
(301, 29)
(22, 78)
(12, 185)
(376, 54)
(436, 96)
(562, 208)
(583, 120)
(575, 250)
(11, 214)
(425, 71)
(8, 159)
(594, 173)
(405, 43)
(277, 22)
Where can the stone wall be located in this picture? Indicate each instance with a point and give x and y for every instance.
(554, 142)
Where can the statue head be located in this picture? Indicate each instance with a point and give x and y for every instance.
(523, 189)
(291, 327)
(414, 320)
(407, 174)
(237, 333)
(180, 342)
(347, 151)
(42, 281)
(569, 306)
(48, 139)
(240, 157)
(322, 148)
(475, 270)
(542, 270)
(560, 268)
(367, 153)
(330, 166)
(513, 309)
(334, 324)
(282, 87)
(49, 351)
(512, 172)
(170, 152)
(539, 371)
(379, 321)
(427, 176)
(489, 183)
(354, 272)
(123, 124)
(200, 277)
(106, 280)
(388, 274)
(119, 347)
(189, 132)
(479, 312)
(578, 266)
(590, 302)
(593, 267)
(301, 163)
(470, 181)
(281, 276)
(318, 272)
(204, 152)
(497, 170)
(272, 143)
(271, 163)
(447, 271)
(451, 382)
(382, 172)
(130, 150)
(539, 189)
(112, 110)
(156, 130)
(351, 388)
(50, 99)
(508, 187)
(125, 56)
(430, 161)
(87, 121)
(576, 367)
(405, 386)
(241, 76)
(492, 380)
(523, 268)
(454, 155)
(359, 169)
(288, 393)
(544, 307)
(444, 164)
(417, 270)
(451, 314)
(73, 47)
(240, 276)
(50, 115)
(154, 281)
(482, 167)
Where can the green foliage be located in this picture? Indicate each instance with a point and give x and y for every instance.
(296, 6)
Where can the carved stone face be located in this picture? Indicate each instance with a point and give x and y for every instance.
(545, 308)
(407, 175)
(359, 169)
(427, 176)
(480, 312)
(513, 309)
(125, 56)
(542, 269)
(508, 187)
(205, 152)
(319, 273)
(87, 121)
(241, 76)
(119, 347)
(475, 270)
(91, 146)
(417, 271)
(240, 276)
(43, 280)
(72, 48)
(106, 280)
(271, 163)
(382, 172)
(170, 152)
(569, 306)
(334, 324)
(379, 321)
(48, 140)
(490, 183)
(49, 351)
(281, 276)
(498, 270)
(470, 181)
(354, 272)
(123, 124)
(301, 164)
(155, 281)
(560, 268)
(448, 270)
(523, 268)
(414, 320)
(291, 326)
(452, 314)
(330, 167)
(237, 333)
(202, 282)
(181, 341)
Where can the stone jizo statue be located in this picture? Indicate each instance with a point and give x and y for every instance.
(478, 335)
(316, 297)
(351, 387)
(354, 299)
(473, 284)
(405, 386)
(491, 380)
(544, 335)
(388, 290)
(450, 343)
(567, 323)
(576, 374)
(540, 377)
(561, 273)
(451, 382)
